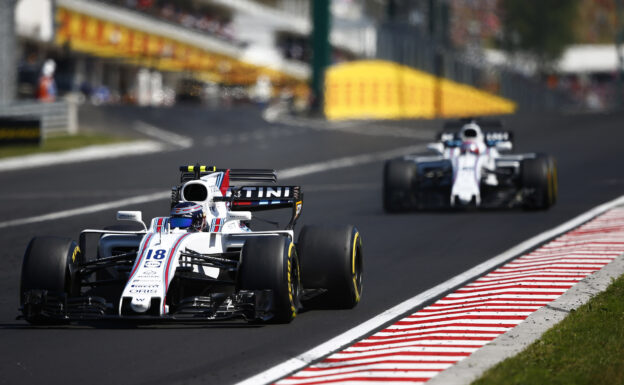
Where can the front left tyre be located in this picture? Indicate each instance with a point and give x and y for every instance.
(331, 263)
(47, 278)
(271, 263)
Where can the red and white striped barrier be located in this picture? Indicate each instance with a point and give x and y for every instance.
(421, 345)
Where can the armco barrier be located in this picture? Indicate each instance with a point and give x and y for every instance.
(57, 117)
(384, 90)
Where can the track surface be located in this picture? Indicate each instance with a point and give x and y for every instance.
(404, 254)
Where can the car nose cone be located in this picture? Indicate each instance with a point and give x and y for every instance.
(140, 304)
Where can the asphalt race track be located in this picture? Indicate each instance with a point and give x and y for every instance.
(405, 254)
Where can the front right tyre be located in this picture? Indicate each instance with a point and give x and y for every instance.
(539, 176)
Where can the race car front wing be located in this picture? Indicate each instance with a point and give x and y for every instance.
(244, 304)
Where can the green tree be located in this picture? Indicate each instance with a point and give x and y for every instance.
(542, 28)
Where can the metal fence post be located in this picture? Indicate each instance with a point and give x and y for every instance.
(321, 56)
(619, 39)
(8, 63)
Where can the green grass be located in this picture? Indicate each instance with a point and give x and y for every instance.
(587, 347)
(59, 143)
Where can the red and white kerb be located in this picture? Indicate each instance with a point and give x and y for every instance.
(421, 345)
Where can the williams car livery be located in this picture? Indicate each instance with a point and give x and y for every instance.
(470, 169)
(202, 262)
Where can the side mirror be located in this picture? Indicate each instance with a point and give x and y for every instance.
(504, 146)
(133, 216)
(436, 147)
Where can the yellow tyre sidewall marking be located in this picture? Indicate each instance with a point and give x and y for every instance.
(290, 293)
(356, 238)
(76, 251)
(554, 181)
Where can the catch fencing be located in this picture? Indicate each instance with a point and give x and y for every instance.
(409, 46)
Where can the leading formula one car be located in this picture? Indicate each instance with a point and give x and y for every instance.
(203, 262)
(470, 170)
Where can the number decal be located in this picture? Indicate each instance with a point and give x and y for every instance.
(159, 254)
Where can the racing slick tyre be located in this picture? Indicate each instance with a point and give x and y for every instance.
(398, 185)
(270, 262)
(332, 263)
(554, 183)
(47, 271)
(539, 175)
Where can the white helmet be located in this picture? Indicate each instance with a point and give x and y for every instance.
(48, 68)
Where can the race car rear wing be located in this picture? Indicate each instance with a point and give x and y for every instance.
(243, 175)
(260, 198)
(493, 138)
(256, 197)
(485, 124)
(493, 134)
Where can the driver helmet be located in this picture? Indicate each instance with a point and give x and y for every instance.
(188, 215)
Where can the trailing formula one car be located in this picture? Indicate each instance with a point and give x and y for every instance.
(470, 171)
(202, 262)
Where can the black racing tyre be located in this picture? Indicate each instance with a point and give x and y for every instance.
(47, 266)
(539, 177)
(331, 259)
(399, 185)
(271, 262)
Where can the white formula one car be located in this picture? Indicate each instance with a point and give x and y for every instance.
(470, 171)
(203, 262)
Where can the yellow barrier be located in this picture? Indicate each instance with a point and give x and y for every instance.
(384, 90)
(102, 38)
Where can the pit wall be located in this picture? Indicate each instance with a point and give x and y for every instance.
(384, 90)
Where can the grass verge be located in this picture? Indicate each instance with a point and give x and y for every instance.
(587, 347)
(59, 143)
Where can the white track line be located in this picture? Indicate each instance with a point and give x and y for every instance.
(347, 162)
(86, 209)
(283, 174)
(81, 155)
(337, 343)
(162, 135)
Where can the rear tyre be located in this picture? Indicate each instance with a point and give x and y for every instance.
(398, 188)
(553, 180)
(271, 263)
(47, 267)
(540, 177)
(331, 259)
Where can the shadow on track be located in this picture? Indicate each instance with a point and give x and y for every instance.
(124, 324)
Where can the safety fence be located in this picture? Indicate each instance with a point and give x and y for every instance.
(409, 46)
